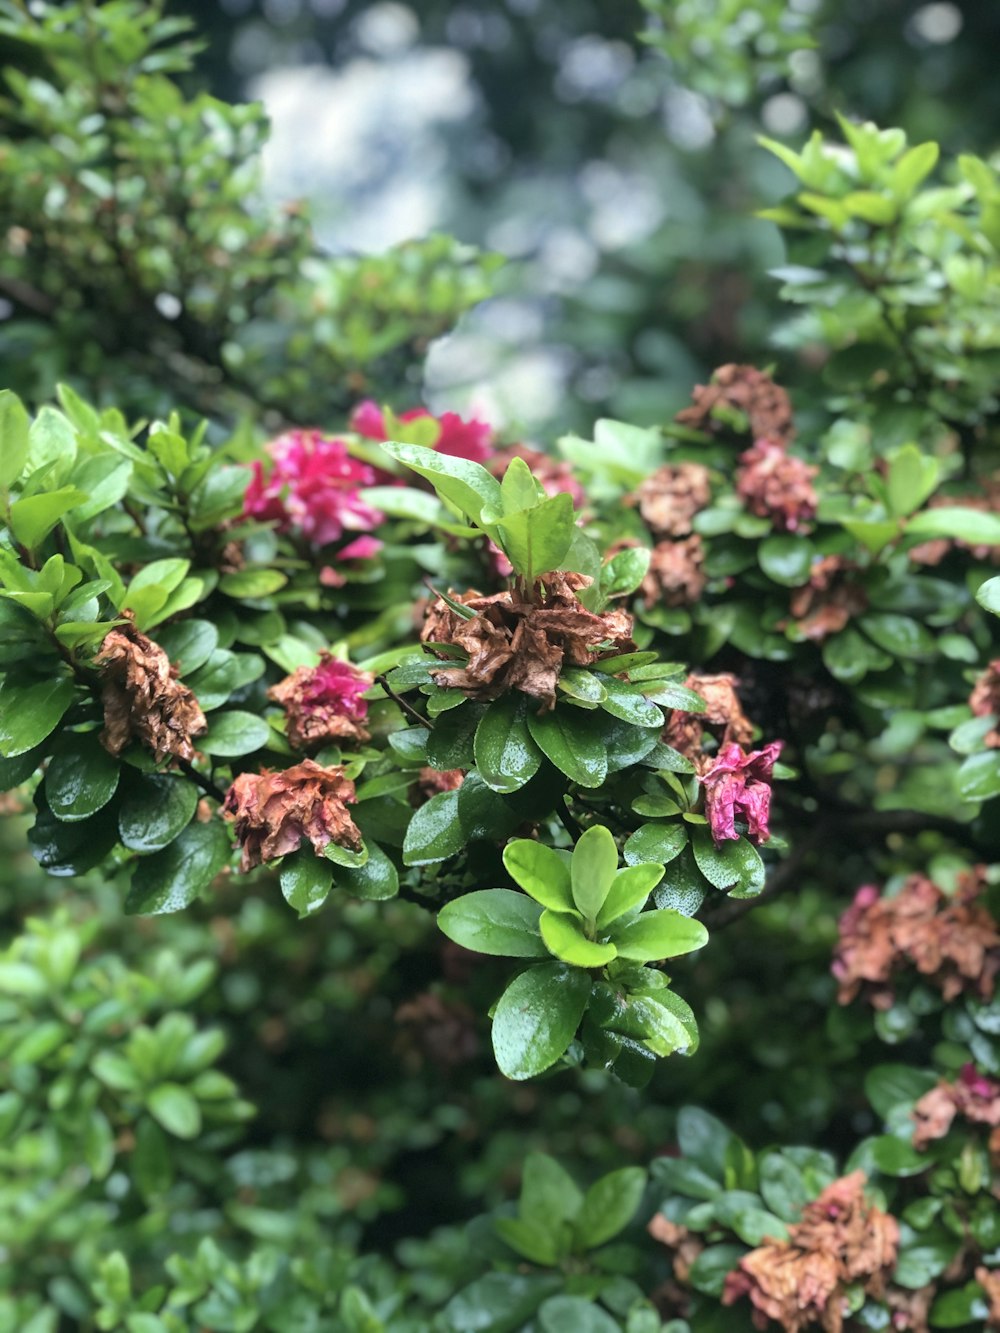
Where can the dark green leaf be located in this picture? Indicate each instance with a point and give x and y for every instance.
(567, 738)
(659, 843)
(30, 710)
(155, 807)
(786, 559)
(306, 880)
(505, 754)
(81, 777)
(189, 643)
(172, 879)
(377, 879)
(235, 733)
(536, 1018)
(609, 1205)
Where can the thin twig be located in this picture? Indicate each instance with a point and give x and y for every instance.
(199, 779)
(408, 709)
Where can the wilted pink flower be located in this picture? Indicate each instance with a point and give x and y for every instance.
(738, 786)
(276, 812)
(323, 703)
(461, 438)
(973, 1096)
(313, 487)
(985, 700)
(777, 485)
(554, 475)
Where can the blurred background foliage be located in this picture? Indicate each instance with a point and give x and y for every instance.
(617, 176)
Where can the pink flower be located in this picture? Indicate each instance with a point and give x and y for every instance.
(738, 785)
(461, 438)
(323, 703)
(777, 485)
(312, 487)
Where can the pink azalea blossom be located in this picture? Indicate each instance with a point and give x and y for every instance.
(738, 786)
(313, 487)
(461, 438)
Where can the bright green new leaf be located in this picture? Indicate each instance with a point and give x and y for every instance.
(593, 869)
(663, 933)
(176, 1110)
(609, 1205)
(494, 921)
(541, 871)
(466, 485)
(565, 938)
(913, 476)
(536, 540)
(968, 525)
(519, 488)
(33, 518)
(306, 881)
(14, 426)
(629, 890)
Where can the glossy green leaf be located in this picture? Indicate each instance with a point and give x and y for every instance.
(155, 807)
(306, 880)
(189, 643)
(14, 424)
(567, 738)
(786, 559)
(234, 733)
(176, 1110)
(33, 518)
(974, 526)
(536, 1018)
(494, 921)
(376, 880)
(173, 878)
(629, 890)
(505, 754)
(541, 871)
(536, 540)
(658, 843)
(610, 1205)
(628, 703)
(979, 776)
(81, 777)
(899, 635)
(466, 485)
(662, 933)
(565, 939)
(573, 1314)
(30, 710)
(435, 831)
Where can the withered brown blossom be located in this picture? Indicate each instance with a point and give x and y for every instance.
(777, 485)
(985, 700)
(669, 499)
(675, 576)
(518, 642)
(323, 703)
(685, 1245)
(432, 782)
(989, 1280)
(723, 719)
(953, 942)
(275, 812)
(749, 390)
(143, 699)
(800, 1282)
(829, 600)
(441, 1031)
(973, 1096)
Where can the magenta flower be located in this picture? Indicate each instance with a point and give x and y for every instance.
(738, 786)
(461, 438)
(313, 487)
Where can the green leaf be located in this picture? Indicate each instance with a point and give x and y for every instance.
(252, 583)
(52, 447)
(435, 831)
(505, 754)
(912, 168)
(573, 1314)
(786, 559)
(960, 1307)
(536, 1018)
(625, 571)
(64, 848)
(569, 740)
(306, 881)
(988, 595)
(15, 771)
(154, 810)
(519, 488)
(540, 871)
(609, 1205)
(33, 518)
(899, 635)
(534, 1241)
(629, 890)
(889, 1086)
(704, 1140)
(235, 733)
(913, 476)
(81, 777)
(376, 880)
(30, 710)
(967, 525)
(466, 485)
(593, 867)
(176, 1110)
(172, 879)
(658, 843)
(189, 643)
(537, 540)
(709, 1271)
(565, 939)
(662, 933)
(718, 864)
(647, 1018)
(584, 685)
(628, 703)
(494, 921)
(979, 776)
(14, 425)
(895, 1157)
(549, 1194)
(451, 743)
(753, 1224)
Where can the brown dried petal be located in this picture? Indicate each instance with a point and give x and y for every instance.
(723, 717)
(143, 700)
(669, 499)
(275, 812)
(765, 405)
(675, 577)
(985, 700)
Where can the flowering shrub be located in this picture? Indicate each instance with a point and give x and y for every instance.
(506, 783)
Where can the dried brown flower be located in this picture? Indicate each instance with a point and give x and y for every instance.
(438, 1030)
(777, 485)
(985, 700)
(669, 499)
(521, 643)
(686, 1245)
(275, 812)
(675, 576)
(829, 600)
(972, 1096)
(910, 1309)
(324, 703)
(989, 1280)
(723, 718)
(143, 699)
(751, 391)
(432, 782)
(953, 942)
(799, 1282)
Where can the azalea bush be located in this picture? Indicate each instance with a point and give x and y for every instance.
(475, 882)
